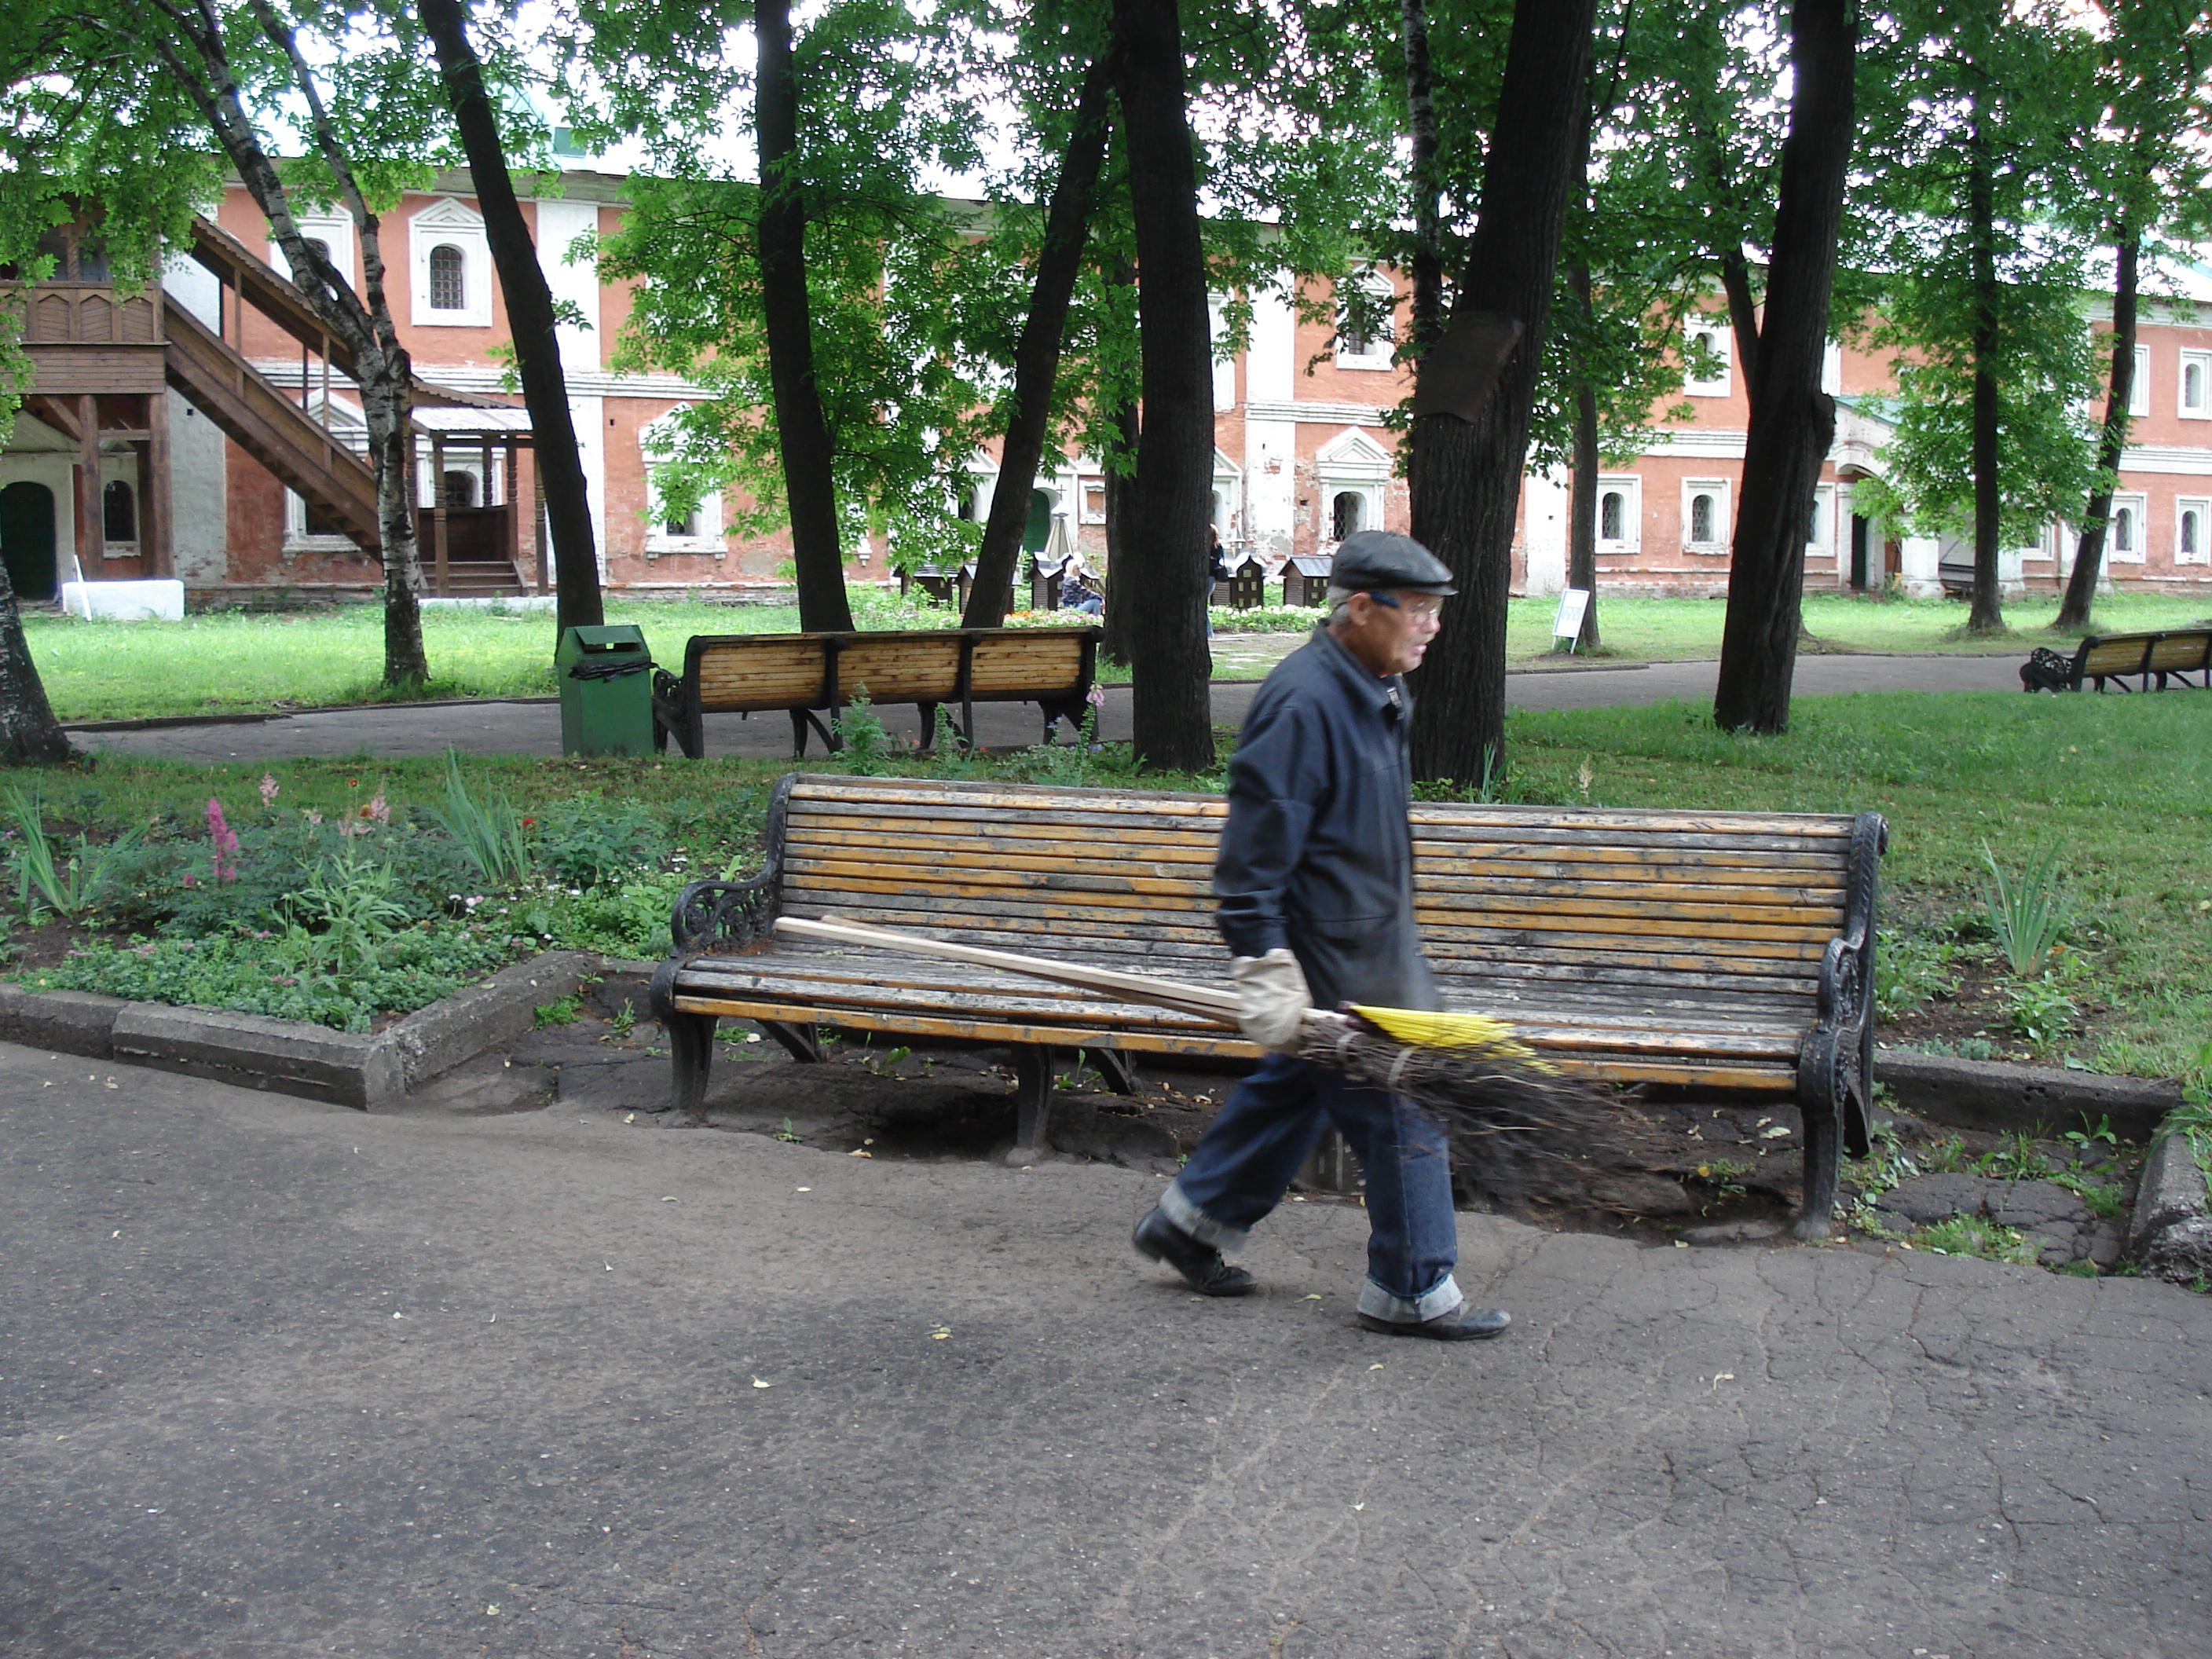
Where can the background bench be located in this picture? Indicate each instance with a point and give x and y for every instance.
(1723, 951)
(809, 674)
(2149, 660)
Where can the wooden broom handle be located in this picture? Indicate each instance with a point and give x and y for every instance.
(1205, 1002)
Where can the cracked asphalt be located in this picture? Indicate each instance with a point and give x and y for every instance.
(280, 1378)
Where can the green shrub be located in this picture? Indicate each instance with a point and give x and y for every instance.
(1909, 969)
(590, 840)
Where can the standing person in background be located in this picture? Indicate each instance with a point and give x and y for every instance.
(1316, 879)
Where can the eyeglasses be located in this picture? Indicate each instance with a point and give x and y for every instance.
(1425, 607)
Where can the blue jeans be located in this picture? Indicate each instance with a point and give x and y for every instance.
(1251, 1152)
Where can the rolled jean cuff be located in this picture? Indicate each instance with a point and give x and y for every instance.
(1199, 1225)
(1378, 1304)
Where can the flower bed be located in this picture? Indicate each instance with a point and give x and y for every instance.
(348, 918)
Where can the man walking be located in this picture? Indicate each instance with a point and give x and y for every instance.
(1315, 876)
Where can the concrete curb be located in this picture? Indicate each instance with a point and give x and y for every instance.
(2171, 1191)
(1987, 1095)
(290, 1056)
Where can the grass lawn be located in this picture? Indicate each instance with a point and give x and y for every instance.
(236, 662)
(2122, 785)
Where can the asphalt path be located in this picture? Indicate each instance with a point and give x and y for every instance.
(534, 727)
(282, 1379)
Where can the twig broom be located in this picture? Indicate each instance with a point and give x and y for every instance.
(1524, 1129)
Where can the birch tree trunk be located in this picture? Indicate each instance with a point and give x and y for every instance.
(530, 320)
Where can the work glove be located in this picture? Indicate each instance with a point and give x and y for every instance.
(1271, 999)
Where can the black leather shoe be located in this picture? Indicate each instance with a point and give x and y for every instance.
(1465, 1323)
(1200, 1265)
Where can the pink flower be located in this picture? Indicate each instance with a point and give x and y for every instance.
(1095, 697)
(315, 818)
(267, 789)
(378, 808)
(222, 840)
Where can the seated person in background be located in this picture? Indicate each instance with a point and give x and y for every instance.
(1076, 594)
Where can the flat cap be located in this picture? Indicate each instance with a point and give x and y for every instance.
(1368, 560)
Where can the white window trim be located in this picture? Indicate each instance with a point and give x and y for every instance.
(335, 232)
(448, 221)
(1823, 541)
(2202, 508)
(1718, 387)
(2203, 361)
(1379, 354)
(657, 541)
(2140, 505)
(1831, 367)
(1629, 488)
(2139, 393)
(1724, 519)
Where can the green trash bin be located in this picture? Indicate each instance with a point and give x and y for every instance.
(605, 676)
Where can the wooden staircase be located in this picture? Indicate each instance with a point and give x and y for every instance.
(304, 455)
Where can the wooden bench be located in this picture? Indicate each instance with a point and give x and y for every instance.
(809, 674)
(2174, 654)
(1720, 951)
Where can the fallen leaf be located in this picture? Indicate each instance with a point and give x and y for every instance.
(1374, 1368)
(1720, 1377)
(759, 1384)
(1356, 1507)
(667, 1200)
(630, 1117)
(940, 1333)
(859, 1151)
(802, 1189)
(1776, 1133)
(1312, 1297)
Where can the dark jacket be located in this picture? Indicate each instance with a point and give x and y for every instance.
(1318, 855)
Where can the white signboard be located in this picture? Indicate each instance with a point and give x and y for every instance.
(1574, 602)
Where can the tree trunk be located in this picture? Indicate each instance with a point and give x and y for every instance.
(810, 484)
(1427, 265)
(1792, 421)
(1743, 310)
(1582, 516)
(1171, 667)
(382, 374)
(1984, 614)
(2089, 551)
(1036, 354)
(529, 319)
(1466, 478)
(1120, 492)
(29, 733)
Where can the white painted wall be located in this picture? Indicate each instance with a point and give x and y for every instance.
(1271, 366)
(199, 501)
(590, 417)
(559, 223)
(1547, 502)
(1271, 486)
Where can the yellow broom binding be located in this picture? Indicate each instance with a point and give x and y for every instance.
(1467, 1033)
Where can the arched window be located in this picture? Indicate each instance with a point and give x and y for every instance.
(448, 279)
(119, 513)
(460, 489)
(1701, 519)
(2191, 534)
(1345, 512)
(1609, 509)
(2124, 530)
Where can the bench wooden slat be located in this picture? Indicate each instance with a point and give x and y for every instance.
(1648, 946)
(1126, 888)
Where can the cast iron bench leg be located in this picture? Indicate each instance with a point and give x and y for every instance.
(802, 1042)
(1121, 1075)
(1032, 1104)
(691, 1053)
(1824, 1166)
